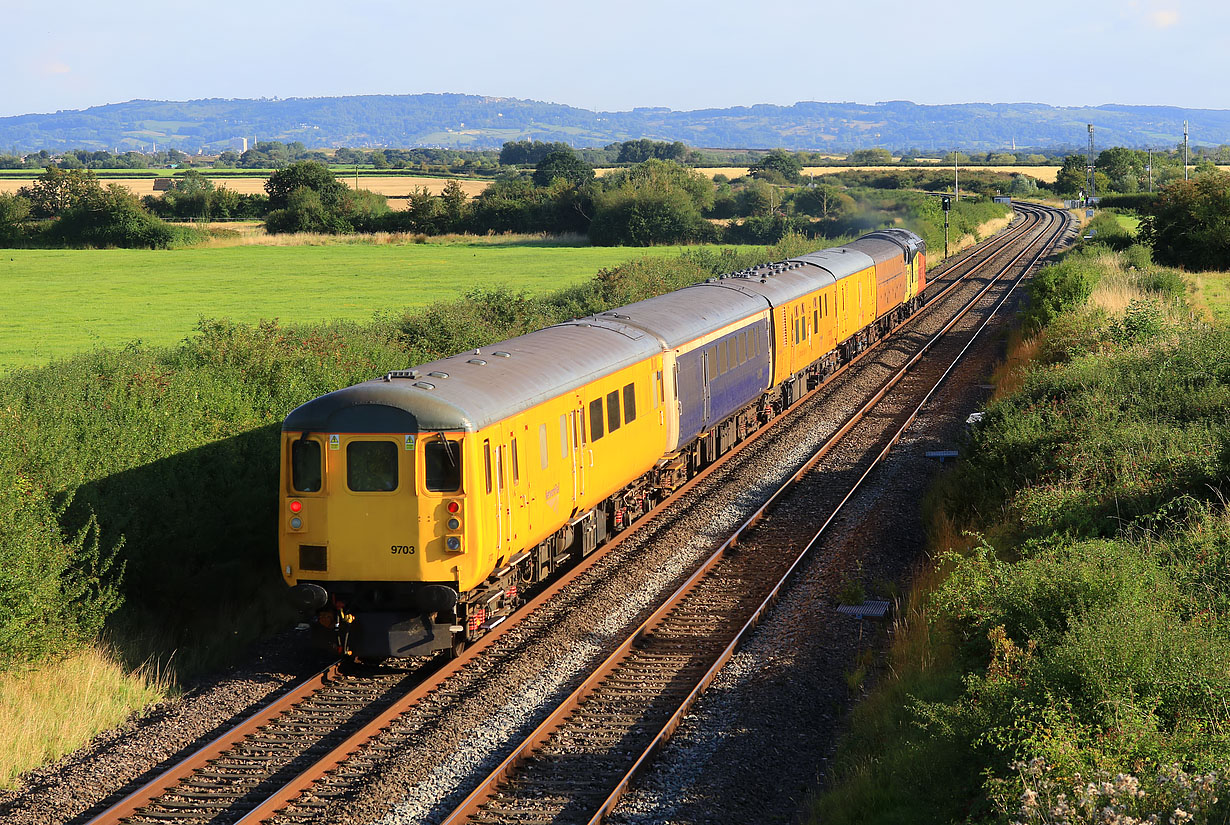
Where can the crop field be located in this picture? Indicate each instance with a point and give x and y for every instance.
(395, 187)
(63, 301)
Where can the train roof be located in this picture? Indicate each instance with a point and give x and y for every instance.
(470, 391)
(685, 314)
(887, 243)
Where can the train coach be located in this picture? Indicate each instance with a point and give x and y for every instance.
(419, 508)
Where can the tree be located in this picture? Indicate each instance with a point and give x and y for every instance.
(59, 189)
(653, 202)
(823, 201)
(453, 200)
(563, 163)
(14, 209)
(1072, 177)
(786, 164)
(869, 157)
(1190, 224)
(111, 217)
(310, 174)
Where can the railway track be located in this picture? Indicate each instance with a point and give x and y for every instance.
(307, 739)
(577, 763)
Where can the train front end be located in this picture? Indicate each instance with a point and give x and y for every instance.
(374, 531)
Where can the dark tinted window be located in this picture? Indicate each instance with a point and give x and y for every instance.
(305, 466)
(371, 466)
(595, 419)
(612, 411)
(629, 403)
(442, 466)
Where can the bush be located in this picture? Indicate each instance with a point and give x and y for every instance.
(115, 218)
(1190, 223)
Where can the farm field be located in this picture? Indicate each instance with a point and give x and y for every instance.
(394, 187)
(63, 301)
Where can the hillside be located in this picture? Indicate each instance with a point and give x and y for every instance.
(471, 121)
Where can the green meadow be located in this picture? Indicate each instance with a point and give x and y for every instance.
(57, 302)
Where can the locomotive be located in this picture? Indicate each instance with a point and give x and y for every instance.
(419, 508)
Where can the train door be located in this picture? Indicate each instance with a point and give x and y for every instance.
(518, 492)
(503, 497)
(707, 369)
(577, 421)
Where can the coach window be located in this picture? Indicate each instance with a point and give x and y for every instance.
(305, 475)
(612, 411)
(542, 445)
(371, 466)
(722, 362)
(595, 419)
(516, 468)
(563, 436)
(629, 403)
(442, 465)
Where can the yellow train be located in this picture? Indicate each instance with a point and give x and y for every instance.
(417, 509)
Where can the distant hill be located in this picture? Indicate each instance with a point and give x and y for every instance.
(475, 122)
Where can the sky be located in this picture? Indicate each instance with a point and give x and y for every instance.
(615, 56)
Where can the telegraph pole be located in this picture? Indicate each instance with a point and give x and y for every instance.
(1089, 185)
(1149, 168)
(956, 180)
(1185, 150)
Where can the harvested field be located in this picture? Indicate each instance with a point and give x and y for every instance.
(396, 188)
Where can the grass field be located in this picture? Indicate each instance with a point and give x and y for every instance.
(1213, 294)
(63, 301)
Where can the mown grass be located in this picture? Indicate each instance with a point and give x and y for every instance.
(59, 302)
(50, 710)
(1086, 624)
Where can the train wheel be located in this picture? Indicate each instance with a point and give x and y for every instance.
(459, 645)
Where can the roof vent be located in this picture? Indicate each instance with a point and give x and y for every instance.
(424, 385)
(502, 354)
(478, 361)
(389, 376)
(438, 374)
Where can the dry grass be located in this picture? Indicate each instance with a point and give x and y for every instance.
(1009, 374)
(48, 712)
(1117, 288)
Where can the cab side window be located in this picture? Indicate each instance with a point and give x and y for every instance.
(442, 466)
(305, 470)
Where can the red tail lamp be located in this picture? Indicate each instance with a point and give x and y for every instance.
(453, 506)
(296, 506)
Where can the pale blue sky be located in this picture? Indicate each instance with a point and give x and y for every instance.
(614, 56)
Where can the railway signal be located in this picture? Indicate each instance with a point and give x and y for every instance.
(946, 205)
